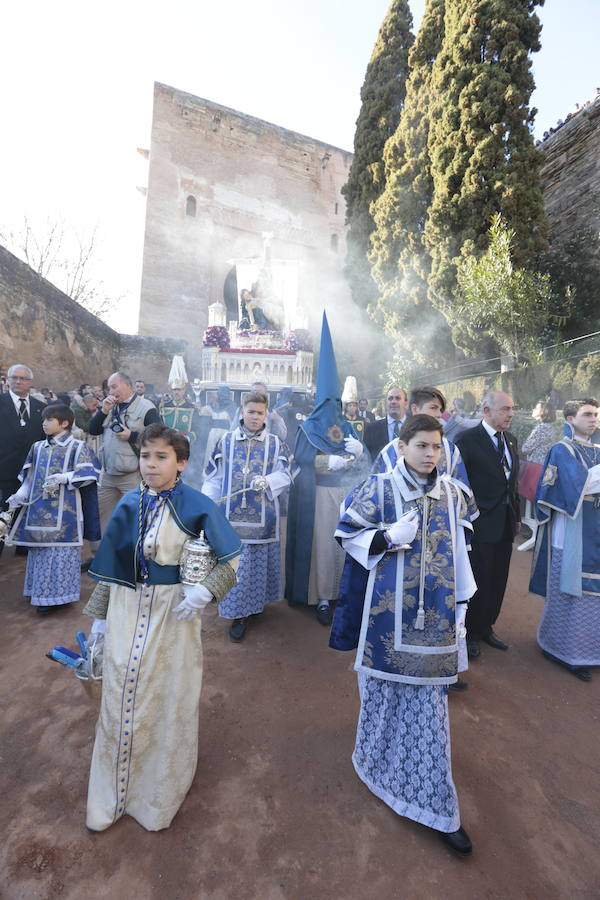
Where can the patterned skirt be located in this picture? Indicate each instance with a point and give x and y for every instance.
(402, 750)
(259, 582)
(53, 575)
(570, 626)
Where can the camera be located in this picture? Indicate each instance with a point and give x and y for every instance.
(116, 427)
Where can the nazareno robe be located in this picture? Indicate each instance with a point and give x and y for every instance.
(565, 488)
(381, 619)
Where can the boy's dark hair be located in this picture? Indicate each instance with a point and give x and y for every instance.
(157, 431)
(420, 422)
(422, 395)
(572, 407)
(255, 397)
(59, 411)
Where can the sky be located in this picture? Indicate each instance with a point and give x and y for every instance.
(77, 83)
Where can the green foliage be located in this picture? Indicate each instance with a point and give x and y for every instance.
(574, 269)
(482, 156)
(587, 375)
(493, 298)
(400, 262)
(382, 98)
(563, 375)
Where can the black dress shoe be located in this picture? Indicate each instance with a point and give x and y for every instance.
(473, 649)
(578, 671)
(86, 564)
(238, 630)
(324, 614)
(46, 610)
(494, 641)
(458, 686)
(459, 841)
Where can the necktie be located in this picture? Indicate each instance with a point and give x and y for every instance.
(396, 428)
(23, 414)
(500, 441)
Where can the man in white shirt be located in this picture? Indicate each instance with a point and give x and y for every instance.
(20, 426)
(381, 432)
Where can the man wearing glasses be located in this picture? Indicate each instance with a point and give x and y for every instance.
(20, 425)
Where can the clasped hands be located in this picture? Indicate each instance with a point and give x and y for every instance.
(195, 598)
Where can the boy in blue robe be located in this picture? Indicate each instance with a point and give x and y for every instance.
(58, 509)
(406, 528)
(248, 470)
(566, 564)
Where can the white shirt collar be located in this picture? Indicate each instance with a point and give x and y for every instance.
(240, 434)
(61, 438)
(17, 401)
(490, 430)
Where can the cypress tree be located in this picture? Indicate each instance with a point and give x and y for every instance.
(399, 259)
(382, 97)
(481, 150)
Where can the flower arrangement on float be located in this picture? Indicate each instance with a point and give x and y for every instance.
(216, 336)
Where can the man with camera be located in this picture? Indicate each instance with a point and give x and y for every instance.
(120, 419)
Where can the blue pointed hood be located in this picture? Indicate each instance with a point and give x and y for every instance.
(326, 427)
(328, 381)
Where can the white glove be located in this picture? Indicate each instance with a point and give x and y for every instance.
(353, 446)
(405, 529)
(592, 485)
(259, 483)
(14, 500)
(59, 478)
(195, 598)
(98, 627)
(336, 462)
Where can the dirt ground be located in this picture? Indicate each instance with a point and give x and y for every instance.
(276, 811)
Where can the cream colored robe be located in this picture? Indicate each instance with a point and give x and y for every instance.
(146, 745)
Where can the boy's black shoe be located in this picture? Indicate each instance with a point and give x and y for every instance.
(578, 671)
(459, 841)
(238, 630)
(458, 686)
(324, 614)
(46, 610)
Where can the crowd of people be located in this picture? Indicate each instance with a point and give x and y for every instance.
(577, 108)
(398, 530)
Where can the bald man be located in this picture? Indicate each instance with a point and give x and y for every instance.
(489, 452)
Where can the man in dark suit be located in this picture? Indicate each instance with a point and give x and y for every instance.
(20, 426)
(382, 431)
(489, 452)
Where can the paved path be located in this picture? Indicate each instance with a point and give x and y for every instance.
(276, 811)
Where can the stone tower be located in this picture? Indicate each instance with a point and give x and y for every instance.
(219, 179)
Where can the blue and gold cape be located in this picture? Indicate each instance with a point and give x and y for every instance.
(561, 489)
(381, 617)
(115, 561)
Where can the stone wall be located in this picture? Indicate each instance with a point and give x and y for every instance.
(217, 180)
(63, 343)
(571, 173)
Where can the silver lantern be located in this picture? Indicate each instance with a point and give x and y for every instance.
(197, 560)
